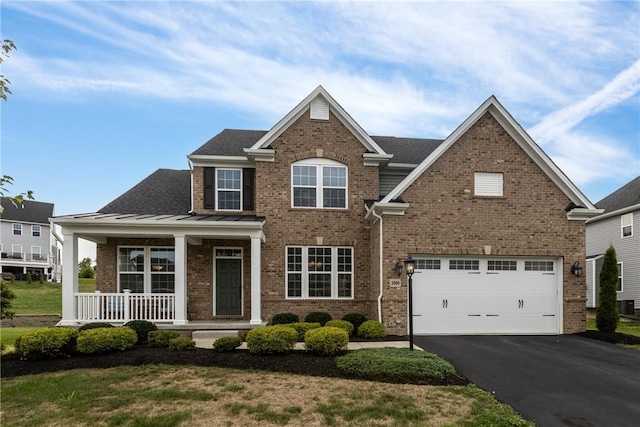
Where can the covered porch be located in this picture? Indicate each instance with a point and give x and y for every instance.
(167, 301)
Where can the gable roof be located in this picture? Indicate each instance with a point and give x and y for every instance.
(29, 211)
(624, 197)
(164, 192)
(230, 142)
(513, 128)
(337, 111)
(409, 151)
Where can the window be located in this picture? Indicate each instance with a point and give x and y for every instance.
(620, 271)
(17, 229)
(427, 264)
(35, 230)
(146, 269)
(488, 184)
(627, 224)
(36, 253)
(464, 264)
(319, 272)
(229, 189)
(538, 266)
(319, 183)
(498, 265)
(16, 251)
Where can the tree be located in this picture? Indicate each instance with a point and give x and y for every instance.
(85, 269)
(607, 316)
(7, 45)
(15, 200)
(6, 299)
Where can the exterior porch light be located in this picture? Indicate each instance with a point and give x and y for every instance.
(398, 267)
(576, 269)
(409, 266)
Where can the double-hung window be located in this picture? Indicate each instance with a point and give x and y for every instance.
(319, 272)
(319, 183)
(626, 221)
(229, 189)
(620, 277)
(17, 229)
(35, 231)
(146, 269)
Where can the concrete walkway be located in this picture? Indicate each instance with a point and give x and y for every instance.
(208, 343)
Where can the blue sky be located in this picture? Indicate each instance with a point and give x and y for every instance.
(106, 92)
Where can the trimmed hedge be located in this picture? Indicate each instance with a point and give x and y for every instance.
(318, 317)
(285, 318)
(372, 330)
(356, 319)
(227, 343)
(161, 338)
(141, 328)
(47, 343)
(182, 344)
(343, 324)
(326, 341)
(390, 364)
(302, 328)
(101, 340)
(95, 325)
(272, 339)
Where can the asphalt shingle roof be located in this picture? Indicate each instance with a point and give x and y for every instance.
(407, 150)
(30, 211)
(164, 192)
(627, 195)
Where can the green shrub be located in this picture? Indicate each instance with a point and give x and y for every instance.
(141, 328)
(29, 278)
(302, 328)
(327, 340)
(182, 344)
(161, 338)
(227, 343)
(42, 279)
(318, 317)
(272, 339)
(101, 340)
(392, 364)
(356, 319)
(47, 343)
(95, 325)
(372, 330)
(607, 316)
(285, 318)
(343, 324)
(6, 301)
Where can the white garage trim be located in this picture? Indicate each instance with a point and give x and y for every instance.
(487, 295)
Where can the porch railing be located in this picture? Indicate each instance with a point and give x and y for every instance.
(122, 307)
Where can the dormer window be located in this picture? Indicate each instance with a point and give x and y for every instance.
(319, 183)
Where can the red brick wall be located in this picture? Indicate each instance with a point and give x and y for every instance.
(444, 217)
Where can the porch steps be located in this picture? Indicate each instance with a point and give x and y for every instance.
(213, 334)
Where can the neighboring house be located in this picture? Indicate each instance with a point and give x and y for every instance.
(619, 226)
(314, 215)
(27, 243)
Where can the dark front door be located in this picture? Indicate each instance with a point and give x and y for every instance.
(228, 287)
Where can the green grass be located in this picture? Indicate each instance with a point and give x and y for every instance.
(44, 298)
(624, 327)
(8, 335)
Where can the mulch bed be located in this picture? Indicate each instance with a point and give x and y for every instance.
(613, 338)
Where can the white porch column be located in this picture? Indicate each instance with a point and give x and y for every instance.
(180, 280)
(256, 296)
(69, 278)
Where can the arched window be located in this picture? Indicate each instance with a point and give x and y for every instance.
(319, 183)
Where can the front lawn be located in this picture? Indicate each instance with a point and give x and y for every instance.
(8, 335)
(625, 326)
(36, 298)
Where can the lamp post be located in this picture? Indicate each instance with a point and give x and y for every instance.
(410, 265)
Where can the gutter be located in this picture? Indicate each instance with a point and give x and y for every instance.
(191, 178)
(373, 212)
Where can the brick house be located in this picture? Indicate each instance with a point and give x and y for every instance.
(315, 214)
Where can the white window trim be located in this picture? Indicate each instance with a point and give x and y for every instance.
(488, 184)
(620, 277)
(319, 164)
(305, 273)
(146, 274)
(623, 225)
(217, 189)
(33, 228)
(16, 227)
(13, 249)
(36, 250)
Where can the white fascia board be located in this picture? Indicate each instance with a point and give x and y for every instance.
(583, 214)
(375, 159)
(392, 208)
(334, 107)
(405, 166)
(611, 214)
(220, 161)
(260, 154)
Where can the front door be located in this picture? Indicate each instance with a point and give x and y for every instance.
(228, 287)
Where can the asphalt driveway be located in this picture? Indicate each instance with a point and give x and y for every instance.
(562, 380)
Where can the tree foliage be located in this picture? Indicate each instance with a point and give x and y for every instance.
(6, 300)
(7, 46)
(85, 269)
(6, 180)
(607, 312)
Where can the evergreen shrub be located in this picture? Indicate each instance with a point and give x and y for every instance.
(102, 340)
(272, 339)
(326, 341)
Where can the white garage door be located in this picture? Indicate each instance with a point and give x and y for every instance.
(486, 295)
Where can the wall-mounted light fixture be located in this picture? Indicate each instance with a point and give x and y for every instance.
(576, 269)
(398, 268)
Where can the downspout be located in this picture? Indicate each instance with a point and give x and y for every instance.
(191, 178)
(373, 212)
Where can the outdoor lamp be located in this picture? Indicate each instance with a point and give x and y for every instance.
(410, 265)
(576, 269)
(398, 267)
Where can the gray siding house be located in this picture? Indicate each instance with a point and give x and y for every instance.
(26, 241)
(619, 226)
